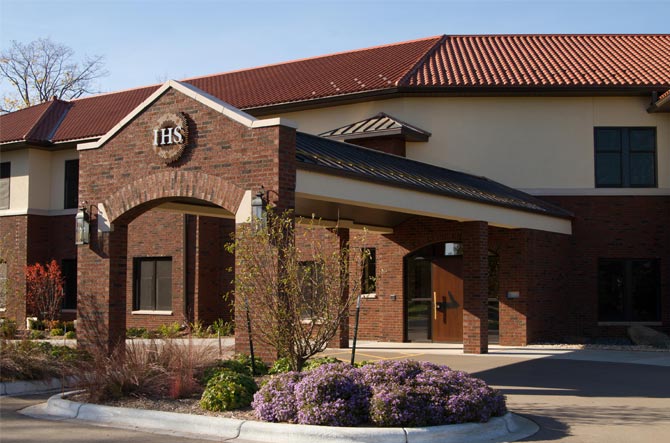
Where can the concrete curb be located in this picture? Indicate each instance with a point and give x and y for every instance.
(30, 387)
(508, 428)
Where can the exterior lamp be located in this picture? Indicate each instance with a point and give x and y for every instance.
(82, 226)
(259, 212)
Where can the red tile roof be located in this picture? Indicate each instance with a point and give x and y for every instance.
(30, 123)
(94, 116)
(537, 62)
(370, 69)
(547, 61)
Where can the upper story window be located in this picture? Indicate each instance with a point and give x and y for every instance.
(71, 184)
(625, 157)
(5, 172)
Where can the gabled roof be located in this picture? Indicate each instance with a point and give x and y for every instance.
(196, 94)
(343, 159)
(380, 125)
(486, 64)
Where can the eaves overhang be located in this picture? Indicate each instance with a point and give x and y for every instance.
(454, 91)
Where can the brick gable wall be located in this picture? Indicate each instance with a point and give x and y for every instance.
(223, 160)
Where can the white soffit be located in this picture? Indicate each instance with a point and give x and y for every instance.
(201, 97)
(327, 187)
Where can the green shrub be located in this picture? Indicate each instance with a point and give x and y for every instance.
(70, 335)
(35, 325)
(222, 328)
(225, 365)
(56, 332)
(228, 390)
(69, 326)
(198, 329)
(261, 367)
(7, 328)
(280, 366)
(36, 334)
(169, 331)
(135, 332)
(313, 363)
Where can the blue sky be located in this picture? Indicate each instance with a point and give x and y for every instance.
(149, 41)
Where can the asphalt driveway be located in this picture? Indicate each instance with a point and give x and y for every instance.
(574, 396)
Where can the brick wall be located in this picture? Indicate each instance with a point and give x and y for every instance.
(30, 239)
(612, 227)
(14, 250)
(223, 159)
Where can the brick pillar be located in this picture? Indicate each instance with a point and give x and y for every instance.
(101, 298)
(475, 287)
(341, 339)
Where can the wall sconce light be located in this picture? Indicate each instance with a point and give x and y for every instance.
(259, 213)
(82, 226)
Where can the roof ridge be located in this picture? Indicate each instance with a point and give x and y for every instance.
(102, 94)
(421, 61)
(316, 57)
(523, 34)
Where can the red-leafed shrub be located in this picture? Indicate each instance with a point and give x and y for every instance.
(44, 290)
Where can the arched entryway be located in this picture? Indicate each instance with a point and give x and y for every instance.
(182, 220)
(435, 297)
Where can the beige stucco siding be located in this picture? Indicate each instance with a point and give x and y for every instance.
(57, 197)
(18, 181)
(524, 142)
(44, 192)
(40, 179)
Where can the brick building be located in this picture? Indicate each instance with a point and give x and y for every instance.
(510, 187)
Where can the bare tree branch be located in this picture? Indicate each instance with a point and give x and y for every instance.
(43, 69)
(296, 283)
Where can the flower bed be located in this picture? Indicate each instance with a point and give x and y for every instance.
(385, 394)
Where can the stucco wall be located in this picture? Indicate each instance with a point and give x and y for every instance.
(44, 193)
(532, 143)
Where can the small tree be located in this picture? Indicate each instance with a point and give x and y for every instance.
(44, 290)
(296, 290)
(42, 69)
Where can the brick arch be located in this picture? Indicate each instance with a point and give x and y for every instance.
(171, 184)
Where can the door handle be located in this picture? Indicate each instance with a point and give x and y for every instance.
(434, 305)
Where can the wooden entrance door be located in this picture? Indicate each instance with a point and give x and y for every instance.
(447, 285)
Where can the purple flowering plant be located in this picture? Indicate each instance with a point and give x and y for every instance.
(387, 393)
(275, 402)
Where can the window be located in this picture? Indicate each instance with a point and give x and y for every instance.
(152, 284)
(369, 271)
(69, 271)
(71, 184)
(4, 285)
(625, 157)
(5, 172)
(629, 290)
(311, 281)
